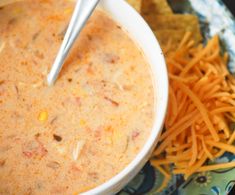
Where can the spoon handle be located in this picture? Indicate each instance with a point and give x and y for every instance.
(81, 14)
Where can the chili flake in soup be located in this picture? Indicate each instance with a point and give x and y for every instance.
(76, 135)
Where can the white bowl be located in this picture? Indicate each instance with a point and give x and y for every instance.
(139, 30)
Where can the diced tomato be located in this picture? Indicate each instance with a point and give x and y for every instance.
(34, 148)
(135, 134)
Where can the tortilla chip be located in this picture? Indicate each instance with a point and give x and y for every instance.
(172, 36)
(160, 7)
(176, 23)
(136, 4)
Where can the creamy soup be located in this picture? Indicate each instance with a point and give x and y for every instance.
(85, 129)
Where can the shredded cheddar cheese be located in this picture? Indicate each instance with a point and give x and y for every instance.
(201, 107)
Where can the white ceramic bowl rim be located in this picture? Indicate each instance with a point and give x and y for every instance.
(131, 21)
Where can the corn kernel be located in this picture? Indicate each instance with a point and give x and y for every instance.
(43, 116)
(82, 122)
(68, 11)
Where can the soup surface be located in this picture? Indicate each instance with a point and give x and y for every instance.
(85, 129)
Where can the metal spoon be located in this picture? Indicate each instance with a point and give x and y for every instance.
(81, 14)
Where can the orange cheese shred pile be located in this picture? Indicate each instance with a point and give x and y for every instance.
(201, 108)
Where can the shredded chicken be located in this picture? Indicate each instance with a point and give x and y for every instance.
(116, 77)
(77, 149)
(2, 45)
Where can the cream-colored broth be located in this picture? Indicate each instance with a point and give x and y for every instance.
(85, 129)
